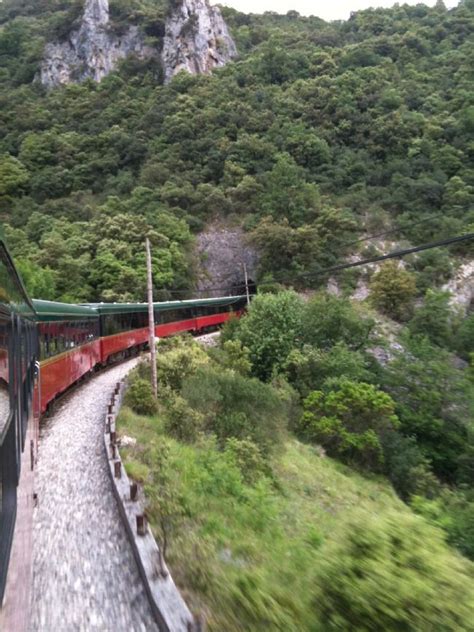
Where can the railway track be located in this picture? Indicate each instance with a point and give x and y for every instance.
(84, 573)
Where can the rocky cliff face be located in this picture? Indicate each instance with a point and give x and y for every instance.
(196, 39)
(222, 252)
(92, 51)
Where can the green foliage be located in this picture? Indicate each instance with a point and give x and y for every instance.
(235, 357)
(434, 318)
(181, 422)
(391, 573)
(349, 421)
(271, 330)
(464, 338)
(248, 458)
(308, 368)
(392, 290)
(182, 358)
(139, 397)
(328, 320)
(313, 119)
(452, 511)
(406, 467)
(432, 402)
(237, 406)
(164, 505)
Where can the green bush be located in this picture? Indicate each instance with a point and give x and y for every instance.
(392, 573)
(271, 329)
(328, 320)
(248, 458)
(434, 318)
(308, 368)
(406, 467)
(349, 421)
(139, 397)
(464, 339)
(234, 356)
(392, 290)
(433, 402)
(177, 358)
(229, 330)
(181, 421)
(452, 511)
(237, 406)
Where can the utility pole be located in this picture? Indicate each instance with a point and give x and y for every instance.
(151, 320)
(246, 284)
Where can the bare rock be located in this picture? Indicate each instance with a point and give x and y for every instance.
(461, 287)
(92, 51)
(196, 39)
(223, 251)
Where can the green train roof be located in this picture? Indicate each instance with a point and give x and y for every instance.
(51, 310)
(126, 308)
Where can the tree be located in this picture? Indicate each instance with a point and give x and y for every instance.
(13, 178)
(432, 402)
(433, 318)
(392, 290)
(392, 572)
(270, 330)
(308, 368)
(237, 406)
(328, 320)
(349, 421)
(464, 338)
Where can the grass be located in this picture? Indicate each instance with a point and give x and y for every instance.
(244, 555)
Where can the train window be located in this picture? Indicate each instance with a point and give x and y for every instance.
(4, 372)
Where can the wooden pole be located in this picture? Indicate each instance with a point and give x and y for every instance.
(151, 320)
(246, 284)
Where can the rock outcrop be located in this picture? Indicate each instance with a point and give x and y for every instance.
(92, 50)
(223, 251)
(461, 287)
(196, 39)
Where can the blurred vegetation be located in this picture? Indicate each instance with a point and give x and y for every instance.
(264, 530)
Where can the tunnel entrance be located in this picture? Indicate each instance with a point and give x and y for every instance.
(239, 287)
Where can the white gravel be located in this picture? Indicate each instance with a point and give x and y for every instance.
(85, 577)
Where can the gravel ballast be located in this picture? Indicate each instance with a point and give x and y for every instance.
(85, 577)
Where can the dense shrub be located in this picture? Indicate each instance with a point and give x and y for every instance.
(232, 355)
(328, 320)
(308, 368)
(349, 421)
(434, 318)
(432, 402)
(248, 458)
(271, 329)
(406, 467)
(178, 357)
(392, 573)
(237, 406)
(392, 290)
(139, 397)
(452, 511)
(464, 340)
(181, 421)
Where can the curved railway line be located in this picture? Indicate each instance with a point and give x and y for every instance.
(84, 574)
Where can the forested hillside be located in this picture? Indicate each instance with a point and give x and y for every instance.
(317, 135)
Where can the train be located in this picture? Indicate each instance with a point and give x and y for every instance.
(46, 347)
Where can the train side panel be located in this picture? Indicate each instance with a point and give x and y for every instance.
(110, 345)
(58, 373)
